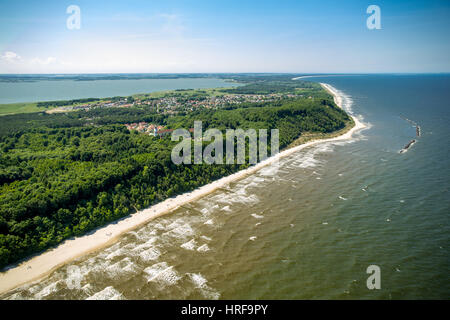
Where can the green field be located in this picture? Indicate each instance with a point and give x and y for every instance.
(24, 107)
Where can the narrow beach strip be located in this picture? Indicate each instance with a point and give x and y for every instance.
(43, 264)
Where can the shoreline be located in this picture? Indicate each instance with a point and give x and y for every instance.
(43, 264)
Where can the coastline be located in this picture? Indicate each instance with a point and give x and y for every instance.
(43, 264)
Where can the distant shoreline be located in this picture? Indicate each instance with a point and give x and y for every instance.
(17, 94)
(42, 265)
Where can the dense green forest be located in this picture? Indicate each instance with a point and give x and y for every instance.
(48, 104)
(62, 175)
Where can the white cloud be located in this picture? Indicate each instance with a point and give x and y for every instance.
(10, 56)
(11, 62)
(40, 61)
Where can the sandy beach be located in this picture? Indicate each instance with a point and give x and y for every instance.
(41, 265)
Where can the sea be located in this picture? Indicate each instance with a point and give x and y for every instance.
(309, 228)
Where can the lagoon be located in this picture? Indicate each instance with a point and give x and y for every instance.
(51, 90)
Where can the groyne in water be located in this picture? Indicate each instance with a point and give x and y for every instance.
(418, 133)
(415, 124)
(405, 148)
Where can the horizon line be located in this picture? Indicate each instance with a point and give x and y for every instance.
(199, 73)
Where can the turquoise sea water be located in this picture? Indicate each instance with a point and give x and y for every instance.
(309, 229)
(47, 90)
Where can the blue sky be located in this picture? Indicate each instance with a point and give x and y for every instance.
(310, 36)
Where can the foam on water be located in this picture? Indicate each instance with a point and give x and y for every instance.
(190, 245)
(203, 248)
(308, 159)
(162, 273)
(48, 290)
(148, 244)
(150, 254)
(124, 267)
(269, 170)
(75, 275)
(200, 282)
(209, 293)
(239, 197)
(114, 254)
(87, 288)
(34, 288)
(16, 296)
(109, 293)
(346, 100)
(206, 238)
(179, 229)
(159, 226)
(135, 234)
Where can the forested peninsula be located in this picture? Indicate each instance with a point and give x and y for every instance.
(64, 174)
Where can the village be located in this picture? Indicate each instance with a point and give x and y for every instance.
(175, 104)
(149, 128)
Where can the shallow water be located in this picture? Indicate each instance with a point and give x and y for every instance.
(307, 229)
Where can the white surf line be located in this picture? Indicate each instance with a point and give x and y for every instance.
(42, 265)
(320, 76)
(302, 77)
